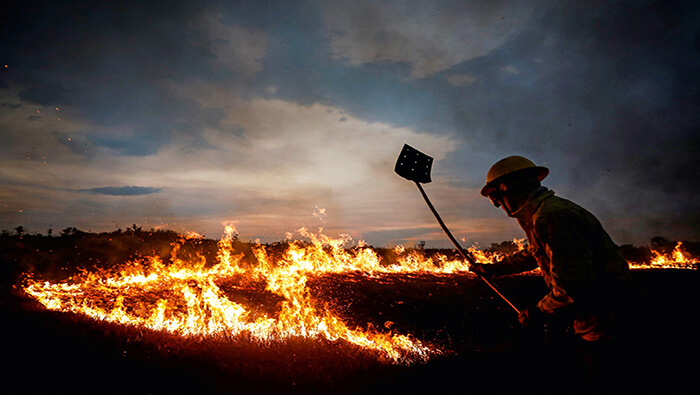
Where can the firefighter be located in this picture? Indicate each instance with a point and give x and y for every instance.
(581, 265)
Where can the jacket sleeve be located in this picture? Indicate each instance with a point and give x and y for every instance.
(563, 237)
(521, 261)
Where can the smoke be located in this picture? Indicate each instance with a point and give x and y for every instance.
(606, 96)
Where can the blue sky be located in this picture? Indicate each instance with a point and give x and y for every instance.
(289, 114)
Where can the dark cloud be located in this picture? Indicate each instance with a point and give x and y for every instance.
(45, 95)
(77, 143)
(607, 93)
(123, 191)
(113, 61)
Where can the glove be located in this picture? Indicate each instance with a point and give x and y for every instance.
(530, 315)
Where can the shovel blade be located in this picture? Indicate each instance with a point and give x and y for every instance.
(414, 165)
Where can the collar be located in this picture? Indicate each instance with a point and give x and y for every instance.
(532, 203)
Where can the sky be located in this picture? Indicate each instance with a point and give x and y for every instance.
(279, 115)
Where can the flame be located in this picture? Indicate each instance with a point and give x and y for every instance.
(187, 297)
(193, 235)
(676, 260)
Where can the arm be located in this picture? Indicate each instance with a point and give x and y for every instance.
(570, 260)
(521, 261)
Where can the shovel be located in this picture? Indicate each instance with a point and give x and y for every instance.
(415, 166)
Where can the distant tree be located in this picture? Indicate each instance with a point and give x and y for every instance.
(635, 254)
(662, 245)
(692, 247)
(49, 232)
(5, 233)
(71, 231)
(506, 247)
(19, 230)
(659, 241)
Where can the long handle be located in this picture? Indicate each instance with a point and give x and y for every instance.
(464, 253)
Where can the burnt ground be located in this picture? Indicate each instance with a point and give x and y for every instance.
(656, 349)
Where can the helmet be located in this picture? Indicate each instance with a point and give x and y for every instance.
(512, 166)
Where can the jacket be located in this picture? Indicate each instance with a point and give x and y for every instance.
(581, 265)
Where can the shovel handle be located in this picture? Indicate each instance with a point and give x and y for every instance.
(463, 252)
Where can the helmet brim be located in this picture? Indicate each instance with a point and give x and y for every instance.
(540, 172)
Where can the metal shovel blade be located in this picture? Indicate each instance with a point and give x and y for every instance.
(414, 165)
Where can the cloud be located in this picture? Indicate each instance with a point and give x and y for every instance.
(510, 69)
(265, 162)
(262, 112)
(237, 49)
(605, 97)
(283, 160)
(460, 79)
(30, 132)
(115, 63)
(45, 95)
(431, 37)
(123, 191)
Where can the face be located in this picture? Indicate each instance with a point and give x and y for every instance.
(509, 204)
(501, 198)
(495, 198)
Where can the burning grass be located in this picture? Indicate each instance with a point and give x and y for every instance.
(296, 312)
(262, 296)
(676, 259)
(185, 297)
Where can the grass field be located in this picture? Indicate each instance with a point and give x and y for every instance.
(483, 348)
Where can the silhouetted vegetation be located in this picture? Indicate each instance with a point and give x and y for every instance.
(506, 247)
(60, 257)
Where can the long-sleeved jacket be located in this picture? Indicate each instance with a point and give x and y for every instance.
(580, 263)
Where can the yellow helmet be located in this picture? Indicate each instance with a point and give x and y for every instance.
(510, 166)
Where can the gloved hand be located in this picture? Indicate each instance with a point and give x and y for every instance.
(531, 315)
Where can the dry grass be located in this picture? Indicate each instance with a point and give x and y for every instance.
(485, 349)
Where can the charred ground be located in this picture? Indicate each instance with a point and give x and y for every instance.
(485, 349)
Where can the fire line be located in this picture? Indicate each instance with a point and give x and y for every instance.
(185, 297)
